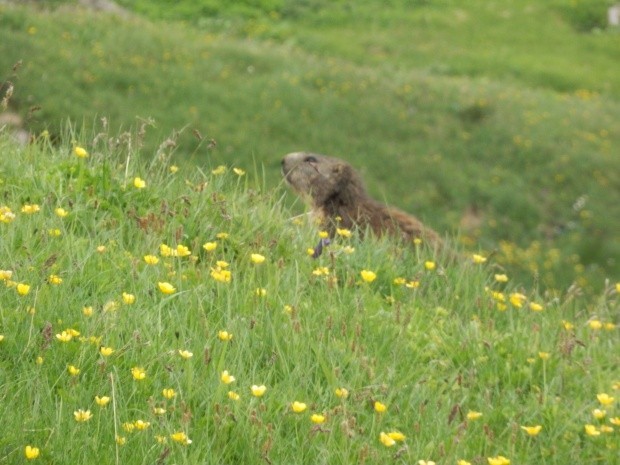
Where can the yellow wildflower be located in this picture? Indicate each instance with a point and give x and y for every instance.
(30, 208)
(224, 336)
(257, 258)
(532, 430)
(605, 399)
(544, 355)
(379, 407)
(141, 425)
(238, 171)
(317, 418)
(386, 440)
(232, 395)
(128, 299)
(599, 414)
(258, 391)
(397, 436)
(517, 299)
(31, 452)
(73, 370)
(138, 373)
(181, 438)
(106, 351)
(591, 430)
(64, 336)
(61, 212)
(82, 415)
(186, 354)
(139, 183)
(343, 393)
(298, 407)
(473, 415)
(23, 289)
(151, 260)
(168, 393)
(478, 259)
(499, 460)
(226, 377)
(219, 170)
(535, 307)
(429, 265)
(102, 401)
(166, 288)
(595, 324)
(209, 246)
(343, 232)
(368, 276)
(80, 152)
(501, 278)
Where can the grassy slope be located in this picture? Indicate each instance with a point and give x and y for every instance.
(431, 354)
(507, 130)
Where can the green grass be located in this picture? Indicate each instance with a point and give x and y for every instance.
(439, 122)
(431, 354)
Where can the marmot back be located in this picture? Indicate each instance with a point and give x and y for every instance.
(335, 190)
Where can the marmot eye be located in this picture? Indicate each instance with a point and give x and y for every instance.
(311, 159)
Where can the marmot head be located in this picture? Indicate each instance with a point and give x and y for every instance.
(319, 178)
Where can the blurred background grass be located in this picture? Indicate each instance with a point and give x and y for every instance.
(498, 121)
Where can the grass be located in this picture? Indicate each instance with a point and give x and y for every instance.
(460, 341)
(510, 146)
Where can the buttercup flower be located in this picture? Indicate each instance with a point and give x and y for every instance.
(141, 425)
(595, 324)
(532, 430)
(430, 266)
(174, 168)
(87, 310)
(463, 462)
(473, 415)
(368, 276)
(298, 407)
(5, 275)
(209, 246)
(139, 183)
(168, 393)
(499, 460)
(151, 260)
(397, 436)
(106, 351)
(379, 407)
(238, 171)
(23, 289)
(166, 288)
(232, 395)
(343, 393)
(260, 291)
(185, 354)
(138, 373)
(61, 212)
(102, 401)
(219, 170)
(317, 418)
(544, 355)
(343, 232)
(605, 399)
(257, 258)
(29, 209)
(258, 391)
(599, 414)
(226, 377)
(517, 299)
(31, 452)
(128, 299)
(82, 415)
(478, 259)
(591, 430)
(73, 370)
(120, 440)
(64, 336)
(501, 278)
(159, 410)
(535, 307)
(181, 438)
(80, 152)
(224, 336)
(386, 440)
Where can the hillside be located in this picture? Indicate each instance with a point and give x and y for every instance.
(155, 313)
(482, 120)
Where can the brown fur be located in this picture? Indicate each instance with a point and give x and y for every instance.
(335, 190)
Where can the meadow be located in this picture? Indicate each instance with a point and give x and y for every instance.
(481, 119)
(153, 313)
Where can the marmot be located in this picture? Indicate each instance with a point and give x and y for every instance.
(338, 197)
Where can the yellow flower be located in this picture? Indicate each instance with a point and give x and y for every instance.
(73, 370)
(399, 281)
(54, 232)
(141, 425)
(61, 212)
(238, 171)
(379, 407)
(30, 208)
(226, 377)
(609, 326)
(221, 275)
(595, 324)
(532, 430)
(224, 336)
(618, 287)
(181, 438)
(120, 440)
(317, 418)
(159, 410)
(321, 271)
(517, 299)
(23, 289)
(39, 360)
(31, 452)
(544, 355)
(182, 251)
(128, 299)
(257, 258)
(64, 336)
(168, 393)
(426, 462)
(567, 325)
(80, 152)
(368, 276)
(606, 429)
(413, 284)
(591, 430)
(165, 250)
(343, 393)
(5, 275)
(128, 426)
(323, 234)
(599, 414)
(258, 391)
(151, 260)
(219, 170)
(343, 232)
(473, 415)
(348, 249)
(478, 259)
(166, 288)
(536, 307)
(605, 399)
(298, 407)
(102, 401)
(82, 415)
(138, 373)
(232, 395)
(222, 235)
(139, 183)
(615, 421)
(397, 436)
(209, 246)
(260, 291)
(417, 241)
(186, 354)
(429, 265)
(499, 460)
(310, 251)
(106, 351)
(100, 248)
(501, 278)
(463, 462)
(386, 440)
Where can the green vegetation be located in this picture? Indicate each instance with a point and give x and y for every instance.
(115, 299)
(495, 120)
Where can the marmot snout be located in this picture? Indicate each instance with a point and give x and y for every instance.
(338, 197)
